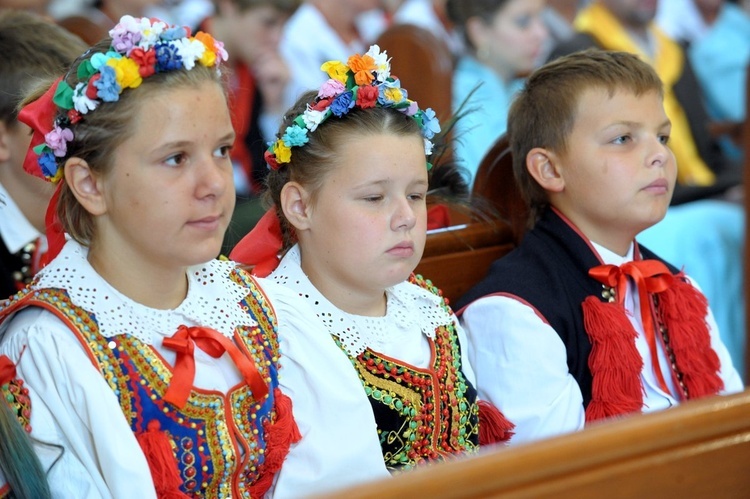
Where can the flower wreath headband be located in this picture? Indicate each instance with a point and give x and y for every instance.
(140, 48)
(365, 81)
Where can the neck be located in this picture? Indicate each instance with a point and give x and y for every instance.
(155, 286)
(29, 196)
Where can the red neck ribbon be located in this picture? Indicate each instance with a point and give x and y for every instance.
(649, 276)
(7, 370)
(215, 344)
(261, 246)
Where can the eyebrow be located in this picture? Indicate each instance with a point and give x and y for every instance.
(387, 181)
(228, 137)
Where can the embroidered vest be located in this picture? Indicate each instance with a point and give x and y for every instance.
(217, 440)
(426, 414)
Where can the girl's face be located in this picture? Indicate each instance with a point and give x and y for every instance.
(510, 42)
(169, 196)
(367, 227)
(257, 31)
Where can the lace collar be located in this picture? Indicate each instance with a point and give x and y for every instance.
(409, 309)
(212, 299)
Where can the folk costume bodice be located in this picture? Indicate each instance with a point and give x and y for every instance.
(224, 444)
(410, 365)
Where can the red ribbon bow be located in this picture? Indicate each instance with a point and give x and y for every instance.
(649, 276)
(261, 246)
(215, 344)
(7, 370)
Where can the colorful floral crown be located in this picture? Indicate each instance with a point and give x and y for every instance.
(140, 48)
(365, 81)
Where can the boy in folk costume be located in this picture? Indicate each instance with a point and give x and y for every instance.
(581, 323)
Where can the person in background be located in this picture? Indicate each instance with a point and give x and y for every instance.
(581, 322)
(349, 182)
(151, 366)
(322, 30)
(34, 48)
(433, 16)
(251, 31)
(504, 39)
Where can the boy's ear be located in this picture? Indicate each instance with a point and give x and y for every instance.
(543, 166)
(85, 185)
(295, 203)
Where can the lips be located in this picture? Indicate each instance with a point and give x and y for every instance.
(405, 249)
(206, 223)
(657, 186)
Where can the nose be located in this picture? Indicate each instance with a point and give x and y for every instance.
(404, 217)
(214, 178)
(659, 153)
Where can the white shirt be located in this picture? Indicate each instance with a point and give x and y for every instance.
(15, 229)
(521, 363)
(340, 444)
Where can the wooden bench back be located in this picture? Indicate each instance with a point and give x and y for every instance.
(698, 449)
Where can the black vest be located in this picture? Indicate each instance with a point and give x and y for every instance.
(549, 270)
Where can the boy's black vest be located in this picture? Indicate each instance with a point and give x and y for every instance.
(550, 271)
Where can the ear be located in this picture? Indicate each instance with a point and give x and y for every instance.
(5, 140)
(542, 164)
(296, 205)
(85, 185)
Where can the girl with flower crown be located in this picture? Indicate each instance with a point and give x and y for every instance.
(348, 181)
(150, 367)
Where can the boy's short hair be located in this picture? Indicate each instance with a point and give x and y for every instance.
(33, 49)
(544, 112)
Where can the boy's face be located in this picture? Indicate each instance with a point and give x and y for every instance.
(617, 173)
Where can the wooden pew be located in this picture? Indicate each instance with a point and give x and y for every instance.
(458, 257)
(698, 449)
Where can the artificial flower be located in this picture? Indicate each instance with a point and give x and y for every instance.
(271, 159)
(312, 118)
(336, 70)
(282, 152)
(192, 50)
(48, 164)
(57, 139)
(382, 66)
(367, 96)
(342, 103)
(362, 66)
(427, 146)
(81, 101)
(107, 88)
(167, 57)
(295, 136)
(430, 124)
(331, 88)
(146, 60)
(127, 73)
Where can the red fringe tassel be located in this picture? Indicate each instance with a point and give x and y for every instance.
(161, 461)
(494, 427)
(614, 361)
(280, 435)
(685, 310)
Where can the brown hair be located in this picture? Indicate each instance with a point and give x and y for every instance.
(460, 11)
(101, 131)
(311, 163)
(34, 49)
(544, 112)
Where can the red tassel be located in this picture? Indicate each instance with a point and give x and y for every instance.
(614, 361)
(161, 461)
(280, 435)
(684, 309)
(494, 427)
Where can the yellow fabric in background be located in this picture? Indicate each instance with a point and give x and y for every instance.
(597, 21)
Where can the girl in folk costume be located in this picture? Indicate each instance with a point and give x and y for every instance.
(348, 181)
(152, 365)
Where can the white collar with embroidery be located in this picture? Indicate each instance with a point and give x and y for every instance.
(409, 308)
(213, 298)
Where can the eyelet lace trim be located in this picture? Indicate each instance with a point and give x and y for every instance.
(408, 308)
(213, 298)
